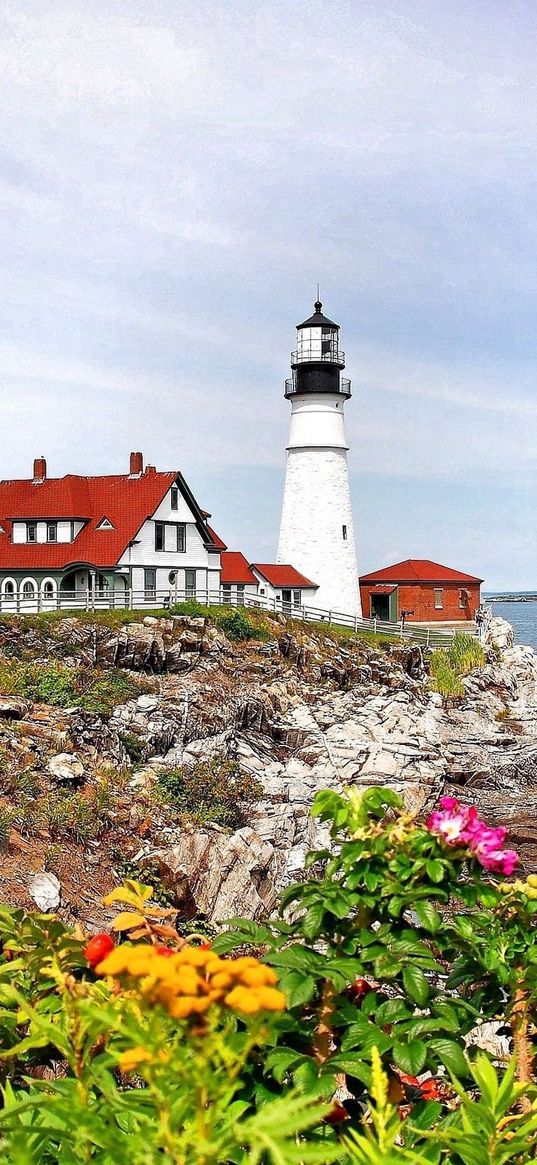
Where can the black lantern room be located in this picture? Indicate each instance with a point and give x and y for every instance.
(318, 359)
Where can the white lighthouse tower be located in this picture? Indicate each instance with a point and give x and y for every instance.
(316, 529)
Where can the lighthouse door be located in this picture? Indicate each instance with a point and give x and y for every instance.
(286, 602)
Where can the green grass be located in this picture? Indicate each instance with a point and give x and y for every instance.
(215, 790)
(448, 666)
(93, 690)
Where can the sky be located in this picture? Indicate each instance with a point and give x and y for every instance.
(175, 178)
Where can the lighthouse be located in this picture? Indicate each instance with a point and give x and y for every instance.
(316, 529)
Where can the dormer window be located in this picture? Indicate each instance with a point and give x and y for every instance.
(104, 524)
(31, 531)
(52, 531)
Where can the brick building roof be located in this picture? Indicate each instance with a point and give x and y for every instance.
(415, 570)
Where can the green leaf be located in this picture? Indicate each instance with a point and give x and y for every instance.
(427, 915)
(312, 923)
(410, 1056)
(450, 1054)
(416, 985)
(392, 1011)
(435, 870)
(279, 1061)
(351, 1065)
(297, 987)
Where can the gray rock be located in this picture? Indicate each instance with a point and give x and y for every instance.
(65, 766)
(45, 891)
(220, 874)
(13, 708)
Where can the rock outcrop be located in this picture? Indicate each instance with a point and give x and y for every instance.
(298, 711)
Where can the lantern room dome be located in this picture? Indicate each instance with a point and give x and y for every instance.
(318, 320)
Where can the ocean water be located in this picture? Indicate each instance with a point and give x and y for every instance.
(523, 617)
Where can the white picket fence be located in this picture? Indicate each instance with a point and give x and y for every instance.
(157, 601)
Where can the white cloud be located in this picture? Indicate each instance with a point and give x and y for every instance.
(175, 178)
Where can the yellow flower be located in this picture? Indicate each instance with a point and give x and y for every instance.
(184, 1005)
(251, 1000)
(242, 999)
(194, 956)
(221, 980)
(130, 1060)
(258, 976)
(270, 999)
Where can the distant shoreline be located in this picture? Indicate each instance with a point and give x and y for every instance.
(512, 598)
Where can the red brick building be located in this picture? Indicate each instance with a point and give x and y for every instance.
(425, 591)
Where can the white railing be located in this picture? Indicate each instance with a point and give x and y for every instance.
(151, 600)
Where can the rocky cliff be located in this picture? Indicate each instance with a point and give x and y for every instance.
(295, 710)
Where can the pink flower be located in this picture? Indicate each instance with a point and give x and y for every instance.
(487, 844)
(452, 821)
(459, 825)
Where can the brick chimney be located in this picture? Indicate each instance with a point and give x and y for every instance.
(151, 469)
(136, 465)
(40, 471)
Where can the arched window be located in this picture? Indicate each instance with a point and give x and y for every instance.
(9, 589)
(48, 588)
(28, 589)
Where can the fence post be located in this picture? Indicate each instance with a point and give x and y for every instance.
(428, 637)
(375, 625)
(130, 599)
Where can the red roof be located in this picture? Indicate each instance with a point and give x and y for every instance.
(235, 568)
(215, 537)
(126, 501)
(282, 575)
(414, 570)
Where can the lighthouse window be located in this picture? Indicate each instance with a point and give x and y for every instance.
(174, 497)
(344, 532)
(159, 535)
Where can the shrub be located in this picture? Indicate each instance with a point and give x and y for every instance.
(6, 823)
(370, 976)
(215, 790)
(133, 745)
(237, 626)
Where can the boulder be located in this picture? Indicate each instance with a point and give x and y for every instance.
(498, 633)
(65, 766)
(13, 708)
(45, 891)
(218, 874)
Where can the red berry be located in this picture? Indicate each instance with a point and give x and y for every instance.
(338, 1113)
(98, 948)
(166, 951)
(205, 946)
(359, 988)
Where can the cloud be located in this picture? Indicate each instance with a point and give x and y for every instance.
(174, 179)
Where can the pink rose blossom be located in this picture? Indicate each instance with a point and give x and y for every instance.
(459, 825)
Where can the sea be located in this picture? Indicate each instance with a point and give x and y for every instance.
(522, 616)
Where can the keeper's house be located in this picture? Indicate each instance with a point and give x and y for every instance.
(422, 591)
(141, 532)
(268, 581)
